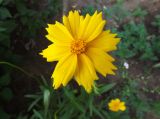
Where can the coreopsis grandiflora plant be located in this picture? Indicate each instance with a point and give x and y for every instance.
(81, 46)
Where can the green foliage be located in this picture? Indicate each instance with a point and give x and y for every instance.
(135, 101)
(31, 19)
(69, 103)
(20, 20)
(157, 21)
(136, 42)
(117, 12)
(157, 65)
(139, 12)
(156, 107)
(5, 93)
(4, 114)
(89, 9)
(135, 39)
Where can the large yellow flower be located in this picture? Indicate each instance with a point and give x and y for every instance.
(80, 46)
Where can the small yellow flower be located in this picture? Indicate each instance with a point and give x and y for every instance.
(81, 48)
(116, 105)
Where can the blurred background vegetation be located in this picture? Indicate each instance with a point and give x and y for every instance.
(25, 86)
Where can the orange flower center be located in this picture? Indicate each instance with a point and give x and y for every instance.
(116, 105)
(78, 46)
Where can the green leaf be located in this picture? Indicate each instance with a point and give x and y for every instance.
(2, 29)
(90, 104)
(89, 9)
(105, 113)
(139, 12)
(6, 94)
(156, 107)
(1, 1)
(72, 99)
(32, 96)
(46, 99)
(156, 65)
(105, 88)
(4, 13)
(21, 116)
(37, 114)
(5, 79)
(21, 7)
(97, 112)
(34, 103)
(8, 25)
(3, 114)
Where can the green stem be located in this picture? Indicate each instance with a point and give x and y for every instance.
(16, 67)
(20, 69)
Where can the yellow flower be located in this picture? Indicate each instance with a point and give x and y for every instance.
(116, 105)
(81, 48)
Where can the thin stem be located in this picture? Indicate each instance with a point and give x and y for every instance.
(20, 69)
(16, 67)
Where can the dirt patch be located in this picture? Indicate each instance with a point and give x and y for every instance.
(147, 76)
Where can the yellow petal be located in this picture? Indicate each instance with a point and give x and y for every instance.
(64, 30)
(94, 27)
(110, 104)
(114, 109)
(67, 24)
(64, 70)
(57, 42)
(85, 73)
(105, 41)
(83, 25)
(117, 100)
(123, 108)
(101, 60)
(97, 31)
(122, 103)
(92, 23)
(54, 53)
(77, 22)
(72, 22)
(58, 33)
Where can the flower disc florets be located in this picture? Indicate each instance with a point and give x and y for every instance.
(78, 46)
